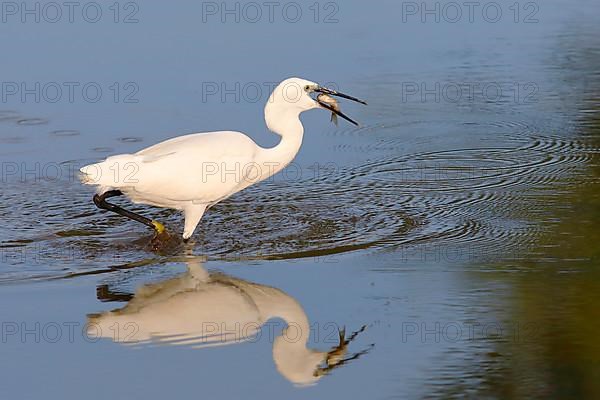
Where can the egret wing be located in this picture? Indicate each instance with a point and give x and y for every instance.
(204, 167)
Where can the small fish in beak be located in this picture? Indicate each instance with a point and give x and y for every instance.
(326, 100)
(333, 103)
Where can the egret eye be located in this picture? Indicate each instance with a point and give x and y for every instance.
(307, 88)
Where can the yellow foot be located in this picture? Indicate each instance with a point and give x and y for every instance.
(161, 241)
(160, 228)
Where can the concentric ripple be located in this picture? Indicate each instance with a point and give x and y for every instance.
(469, 202)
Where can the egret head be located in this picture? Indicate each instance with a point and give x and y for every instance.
(298, 95)
(304, 366)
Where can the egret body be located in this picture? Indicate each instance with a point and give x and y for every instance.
(192, 173)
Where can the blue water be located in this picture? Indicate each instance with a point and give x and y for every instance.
(422, 225)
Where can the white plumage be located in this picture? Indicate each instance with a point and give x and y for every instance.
(193, 172)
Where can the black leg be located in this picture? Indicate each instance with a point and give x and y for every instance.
(100, 202)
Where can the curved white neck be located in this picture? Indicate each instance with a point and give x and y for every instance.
(285, 122)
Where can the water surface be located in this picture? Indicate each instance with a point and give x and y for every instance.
(455, 234)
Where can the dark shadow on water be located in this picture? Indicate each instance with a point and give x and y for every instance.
(554, 294)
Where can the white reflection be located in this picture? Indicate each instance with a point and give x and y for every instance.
(199, 309)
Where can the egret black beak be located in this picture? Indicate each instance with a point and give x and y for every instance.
(338, 94)
(333, 109)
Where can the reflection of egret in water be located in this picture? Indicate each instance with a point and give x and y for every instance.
(199, 309)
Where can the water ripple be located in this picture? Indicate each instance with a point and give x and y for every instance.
(467, 198)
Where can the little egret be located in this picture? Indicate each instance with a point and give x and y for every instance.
(192, 173)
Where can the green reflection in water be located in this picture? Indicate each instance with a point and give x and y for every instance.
(552, 308)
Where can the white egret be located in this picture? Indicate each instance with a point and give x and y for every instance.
(199, 309)
(192, 173)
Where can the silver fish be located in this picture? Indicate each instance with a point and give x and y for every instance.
(330, 101)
